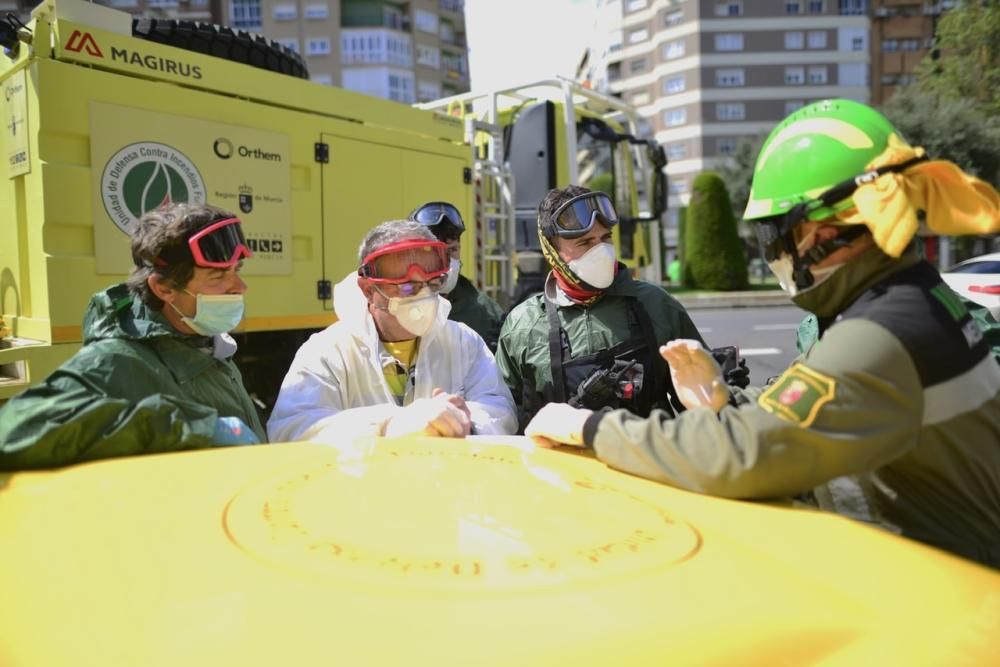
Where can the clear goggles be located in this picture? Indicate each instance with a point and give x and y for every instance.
(577, 216)
(443, 219)
(220, 245)
(406, 267)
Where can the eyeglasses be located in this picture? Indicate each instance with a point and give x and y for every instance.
(415, 255)
(577, 216)
(221, 245)
(443, 219)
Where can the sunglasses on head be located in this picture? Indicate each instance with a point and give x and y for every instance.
(577, 216)
(443, 219)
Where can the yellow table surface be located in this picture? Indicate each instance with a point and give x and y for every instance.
(449, 552)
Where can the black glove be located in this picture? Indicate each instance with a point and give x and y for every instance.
(734, 367)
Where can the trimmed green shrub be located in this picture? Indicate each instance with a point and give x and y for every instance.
(714, 252)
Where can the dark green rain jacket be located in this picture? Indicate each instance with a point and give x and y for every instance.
(476, 310)
(523, 352)
(137, 386)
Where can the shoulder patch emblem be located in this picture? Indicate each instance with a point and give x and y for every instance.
(798, 395)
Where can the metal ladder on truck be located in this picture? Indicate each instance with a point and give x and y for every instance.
(493, 211)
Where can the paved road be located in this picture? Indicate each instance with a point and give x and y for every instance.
(765, 336)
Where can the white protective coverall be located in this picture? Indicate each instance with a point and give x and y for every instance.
(335, 390)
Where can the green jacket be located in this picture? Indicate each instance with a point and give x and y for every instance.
(137, 386)
(523, 352)
(893, 417)
(476, 310)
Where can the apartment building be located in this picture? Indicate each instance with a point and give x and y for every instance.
(707, 73)
(902, 34)
(406, 51)
(191, 10)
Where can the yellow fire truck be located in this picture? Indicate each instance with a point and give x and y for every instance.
(107, 118)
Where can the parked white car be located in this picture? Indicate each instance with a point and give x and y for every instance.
(978, 279)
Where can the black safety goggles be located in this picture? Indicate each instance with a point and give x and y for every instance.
(577, 216)
(443, 219)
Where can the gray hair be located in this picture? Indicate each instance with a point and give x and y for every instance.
(391, 232)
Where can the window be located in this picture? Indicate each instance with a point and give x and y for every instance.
(852, 39)
(817, 75)
(428, 90)
(324, 79)
(393, 18)
(890, 45)
(673, 49)
(161, 3)
(638, 65)
(793, 7)
(674, 117)
(455, 65)
(672, 18)
(793, 40)
(729, 8)
(795, 76)
(727, 78)
(457, 6)
(425, 21)
(447, 32)
(401, 87)
(316, 12)
(638, 99)
(852, 74)
(318, 46)
(284, 13)
(815, 6)
(729, 41)
(852, 7)
(124, 3)
(245, 14)
(290, 43)
(791, 106)
(905, 79)
(889, 79)
(674, 84)
(730, 111)
(635, 5)
(816, 39)
(677, 151)
(373, 46)
(429, 56)
(639, 35)
(910, 44)
(678, 186)
(615, 41)
(726, 146)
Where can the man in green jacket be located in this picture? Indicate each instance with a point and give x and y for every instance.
(468, 305)
(155, 372)
(591, 337)
(893, 416)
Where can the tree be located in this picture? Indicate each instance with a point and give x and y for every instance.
(737, 171)
(950, 129)
(965, 63)
(714, 251)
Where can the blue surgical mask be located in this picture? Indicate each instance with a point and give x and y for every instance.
(214, 313)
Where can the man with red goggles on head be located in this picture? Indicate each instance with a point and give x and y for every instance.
(155, 372)
(468, 305)
(591, 338)
(393, 364)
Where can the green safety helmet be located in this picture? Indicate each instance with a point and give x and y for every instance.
(812, 150)
(808, 168)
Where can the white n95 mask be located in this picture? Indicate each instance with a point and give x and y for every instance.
(596, 267)
(415, 313)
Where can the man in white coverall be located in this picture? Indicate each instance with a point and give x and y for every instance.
(393, 364)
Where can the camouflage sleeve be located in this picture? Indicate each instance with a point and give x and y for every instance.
(854, 404)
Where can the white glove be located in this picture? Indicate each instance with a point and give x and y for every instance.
(557, 424)
(437, 416)
(696, 375)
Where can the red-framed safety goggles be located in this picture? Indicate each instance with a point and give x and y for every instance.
(220, 245)
(417, 255)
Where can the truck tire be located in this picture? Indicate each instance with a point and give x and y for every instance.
(222, 42)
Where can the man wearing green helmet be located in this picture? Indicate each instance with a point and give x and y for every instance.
(893, 416)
